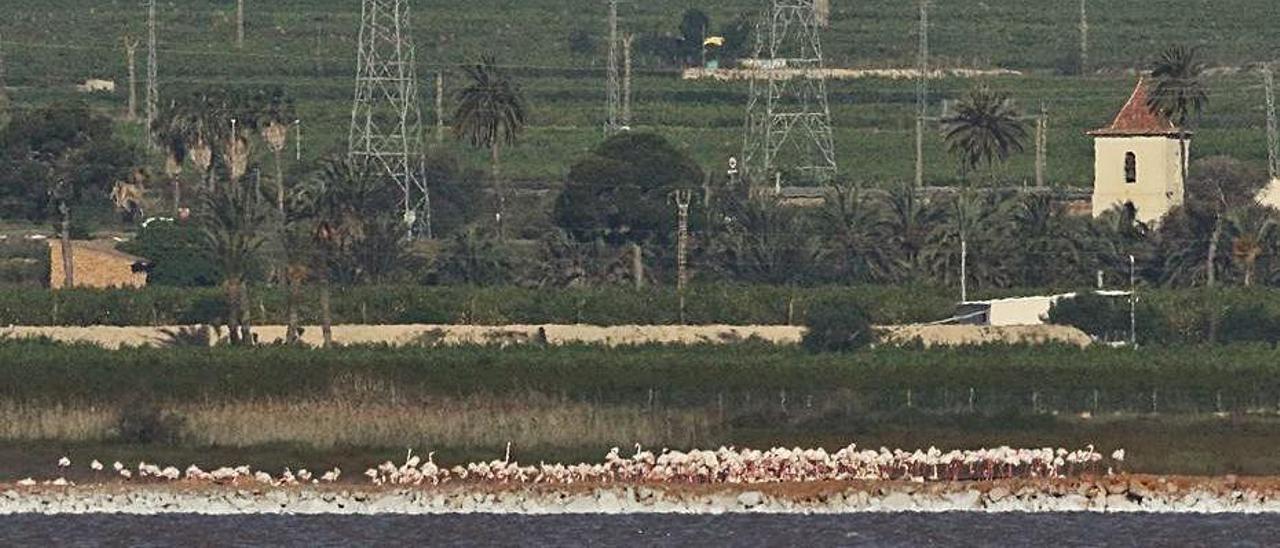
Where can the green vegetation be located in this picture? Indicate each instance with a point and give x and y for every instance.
(578, 401)
(405, 304)
(308, 48)
(622, 191)
(837, 325)
(1239, 378)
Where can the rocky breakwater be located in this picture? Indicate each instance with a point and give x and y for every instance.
(1101, 494)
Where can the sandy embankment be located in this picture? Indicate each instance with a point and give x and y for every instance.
(436, 335)
(1113, 494)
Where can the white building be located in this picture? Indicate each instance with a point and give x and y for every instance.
(1016, 311)
(1139, 161)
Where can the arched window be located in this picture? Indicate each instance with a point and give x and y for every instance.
(1130, 168)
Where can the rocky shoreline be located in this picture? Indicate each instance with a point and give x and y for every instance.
(1106, 494)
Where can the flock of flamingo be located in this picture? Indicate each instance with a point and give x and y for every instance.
(723, 466)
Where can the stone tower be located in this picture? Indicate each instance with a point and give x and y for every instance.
(1139, 161)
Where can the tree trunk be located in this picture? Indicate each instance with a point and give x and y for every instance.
(177, 197)
(326, 313)
(279, 181)
(246, 317)
(233, 312)
(637, 265)
(498, 187)
(1212, 259)
(294, 333)
(68, 262)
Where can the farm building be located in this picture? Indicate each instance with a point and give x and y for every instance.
(1015, 311)
(97, 265)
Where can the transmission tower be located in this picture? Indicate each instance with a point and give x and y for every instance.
(627, 41)
(153, 93)
(922, 91)
(788, 129)
(613, 87)
(1273, 133)
(386, 118)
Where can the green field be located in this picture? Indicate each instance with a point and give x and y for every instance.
(307, 47)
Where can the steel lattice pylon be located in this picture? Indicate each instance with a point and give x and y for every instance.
(788, 130)
(386, 118)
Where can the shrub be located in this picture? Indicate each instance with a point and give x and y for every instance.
(1108, 319)
(146, 423)
(837, 325)
(1252, 323)
(178, 253)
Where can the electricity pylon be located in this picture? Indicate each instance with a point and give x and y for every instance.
(386, 118)
(613, 86)
(788, 128)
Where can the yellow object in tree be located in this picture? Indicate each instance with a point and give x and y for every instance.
(717, 41)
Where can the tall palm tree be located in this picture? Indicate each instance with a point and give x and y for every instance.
(275, 112)
(1179, 93)
(331, 204)
(491, 113)
(230, 219)
(985, 129)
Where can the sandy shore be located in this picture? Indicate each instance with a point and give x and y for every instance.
(1112, 494)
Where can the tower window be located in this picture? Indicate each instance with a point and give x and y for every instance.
(1130, 168)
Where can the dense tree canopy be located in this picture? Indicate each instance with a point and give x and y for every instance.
(61, 141)
(621, 191)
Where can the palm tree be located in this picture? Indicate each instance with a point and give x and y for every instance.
(854, 224)
(1052, 247)
(275, 113)
(985, 129)
(982, 225)
(331, 204)
(1179, 92)
(909, 220)
(230, 219)
(1252, 232)
(491, 113)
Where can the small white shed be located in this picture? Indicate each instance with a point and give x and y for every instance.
(1015, 311)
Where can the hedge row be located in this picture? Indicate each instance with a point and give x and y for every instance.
(43, 372)
(385, 305)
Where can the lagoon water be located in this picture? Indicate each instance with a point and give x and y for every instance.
(954, 529)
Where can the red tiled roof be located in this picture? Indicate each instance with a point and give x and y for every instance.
(1136, 119)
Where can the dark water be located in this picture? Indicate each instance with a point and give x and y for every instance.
(647, 530)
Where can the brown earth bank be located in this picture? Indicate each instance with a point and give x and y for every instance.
(1116, 493)
(632, 335)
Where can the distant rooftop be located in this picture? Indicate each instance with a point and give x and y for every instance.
(1136, 119)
